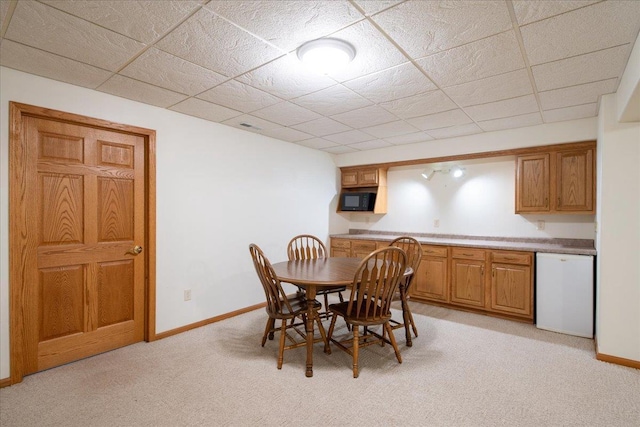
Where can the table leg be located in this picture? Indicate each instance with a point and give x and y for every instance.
(311, 296)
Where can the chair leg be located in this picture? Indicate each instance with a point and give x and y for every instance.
(340, 296)
(326, 304)
(387, 326)
(327, 349)
(355, 350)
(283, 334)
(268, 330)
(413, 324)
(331, 326)
(405, 318)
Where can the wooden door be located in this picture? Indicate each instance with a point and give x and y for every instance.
(575, 189)
(467, 282)
(81, 284)
(511, 289)
(532, 184)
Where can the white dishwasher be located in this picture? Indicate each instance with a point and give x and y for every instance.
(564, 293)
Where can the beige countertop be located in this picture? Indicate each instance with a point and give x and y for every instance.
(561, 246)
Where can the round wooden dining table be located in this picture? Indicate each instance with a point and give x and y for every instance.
(314, 274)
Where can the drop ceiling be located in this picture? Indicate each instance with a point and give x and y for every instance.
(424, 70)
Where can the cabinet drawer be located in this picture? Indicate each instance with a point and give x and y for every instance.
(437, 251)
(363, 245)
(468, 253)
(341, 243)
(511, 257)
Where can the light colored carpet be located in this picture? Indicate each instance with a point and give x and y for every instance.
(463, 370)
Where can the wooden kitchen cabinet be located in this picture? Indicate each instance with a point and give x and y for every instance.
(467, 277)
(351, 248)
(432, 277)
(364, 177)
(559, 181)
(512, 283)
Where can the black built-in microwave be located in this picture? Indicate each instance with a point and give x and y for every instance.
(357, 201)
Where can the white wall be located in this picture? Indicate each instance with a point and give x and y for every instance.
(618, 237)
(482, 203)
(218, 189)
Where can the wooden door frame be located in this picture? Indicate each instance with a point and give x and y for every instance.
(18, 245)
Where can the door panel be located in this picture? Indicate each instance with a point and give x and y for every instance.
(88, 196)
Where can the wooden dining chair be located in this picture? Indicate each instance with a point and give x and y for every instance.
(306, 246)
(284, 308)
(413, 249)
(372, 289)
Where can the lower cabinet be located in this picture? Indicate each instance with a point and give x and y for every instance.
(498, 282)
(467, 277)
(432, 277)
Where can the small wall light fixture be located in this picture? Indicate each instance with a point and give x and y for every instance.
(326, 55)
(455, 171)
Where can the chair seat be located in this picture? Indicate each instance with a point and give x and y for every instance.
(363, 319)
(299, 305)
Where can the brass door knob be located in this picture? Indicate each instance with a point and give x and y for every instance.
(135, 251)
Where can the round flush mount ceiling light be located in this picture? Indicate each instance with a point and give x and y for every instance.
(326, 55)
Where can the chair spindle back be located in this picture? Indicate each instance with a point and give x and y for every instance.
(306, 246)
(276, 297)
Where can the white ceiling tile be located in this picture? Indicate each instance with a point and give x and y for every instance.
(420, 105)
(317, 143)
(202, 38)
(43, 27)
(425, 27)
(371, 7)
(589, 29)
(321, 127)
(286, 77)
(368, 116)
(440, 120)
(170, 72)
(397, 82)
(524, 120)
(570, 113)
(288, 24)
(332, 100)
(370, 145)
(390, 129)
(339, 149)
(286, 114)
(144, 21)
(374, 52)
(528, 11)
(591, 67)
(205, 110)
(410, 138)
(286, 134)
(350, 137)
(577, 95)
(490, 89)
(484, 58)
(239, 96)
(506, 108)
(4, 9)
(453, 131)
(45, 64)
(142, 92)
(257, 124)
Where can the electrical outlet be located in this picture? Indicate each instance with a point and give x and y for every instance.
(187, 294)
(436, 223)
(540, 225)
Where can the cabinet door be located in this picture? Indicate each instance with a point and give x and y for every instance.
(467, 282)
(532, 184)
(574, 181)
(431, 280)
(511, 289)
(368, 177)
(341, 248)
(362, 248)
(350, 179)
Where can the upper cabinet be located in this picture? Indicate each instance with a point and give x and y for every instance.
(558, 181)
(365, 179)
